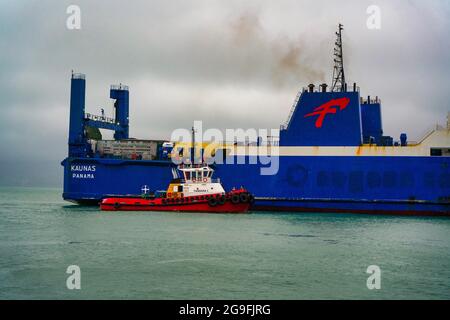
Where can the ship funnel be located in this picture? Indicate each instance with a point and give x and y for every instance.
(311, 87)
(323, 87)
(403, 140)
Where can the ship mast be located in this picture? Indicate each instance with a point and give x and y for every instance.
(338, 71)
(193, 146)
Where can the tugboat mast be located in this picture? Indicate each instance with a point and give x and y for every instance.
(194, 159)
(338, 71)
(193, 146)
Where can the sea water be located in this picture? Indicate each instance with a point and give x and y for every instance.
(157, 255)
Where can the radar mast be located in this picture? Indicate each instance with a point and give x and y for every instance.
(338, 71)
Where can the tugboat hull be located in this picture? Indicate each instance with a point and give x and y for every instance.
(230, 203)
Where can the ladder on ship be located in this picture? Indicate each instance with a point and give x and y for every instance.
(294, 105)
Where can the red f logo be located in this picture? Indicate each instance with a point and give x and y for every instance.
(327, 108)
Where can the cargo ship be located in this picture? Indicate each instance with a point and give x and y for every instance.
(332, 154)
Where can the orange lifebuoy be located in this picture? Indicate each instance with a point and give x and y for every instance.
(205, 179)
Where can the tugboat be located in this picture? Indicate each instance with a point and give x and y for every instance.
(196, 192)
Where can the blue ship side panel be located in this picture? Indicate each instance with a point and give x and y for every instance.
(78, 146)
(93, 179)
(339, 126)
(335, 177)
(77, 106)
(346, 183)
(371, 122)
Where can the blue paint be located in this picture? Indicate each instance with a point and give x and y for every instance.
(403, 140)
(122, 112)
(78, 146)
(385, 183)
(371, 122)
(340, 129)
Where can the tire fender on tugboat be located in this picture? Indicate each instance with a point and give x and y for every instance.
(212, 202)
(235, 198)
(243, 197)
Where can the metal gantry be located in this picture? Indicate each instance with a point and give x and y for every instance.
(338, 71)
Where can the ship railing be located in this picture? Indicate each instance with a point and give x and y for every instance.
(78, 76)
(194, 166)
(291, 112)
(269, 141)
(215, 180)
(273, 141)
(119, 87)
(99, 118)
(425, 134)
(370, 100)
(319, 89)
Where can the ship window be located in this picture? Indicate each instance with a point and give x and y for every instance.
(440, 152)
(435, 152)
(187, 175)
(180, 188)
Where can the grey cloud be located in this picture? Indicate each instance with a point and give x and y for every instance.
(229, 63)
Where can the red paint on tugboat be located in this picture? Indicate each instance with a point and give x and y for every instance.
(236, 201)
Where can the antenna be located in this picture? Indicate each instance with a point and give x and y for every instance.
(338, 71)
(193, 146)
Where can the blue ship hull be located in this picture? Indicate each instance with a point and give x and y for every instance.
(363, 184)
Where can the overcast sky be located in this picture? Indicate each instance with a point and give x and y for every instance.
(229, 63)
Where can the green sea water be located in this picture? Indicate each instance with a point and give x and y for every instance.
(138, 255)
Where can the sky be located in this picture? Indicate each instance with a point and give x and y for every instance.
(232, 64)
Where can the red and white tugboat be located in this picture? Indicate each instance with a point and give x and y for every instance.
(196, 192)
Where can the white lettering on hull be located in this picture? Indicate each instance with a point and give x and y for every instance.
(77, 167)
(82, 175)
(83, 171)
